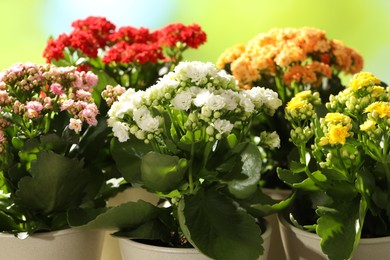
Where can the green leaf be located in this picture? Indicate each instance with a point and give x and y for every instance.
(337, 227)
(261, 205)
(309, 184)
(215, 226)
(289, 177)
(128, 156)
(7, 223)
(297, 167)
(162, 172)
(251, 168)
(56, 183)
(152, 230)
(53, 142)
(128, 215)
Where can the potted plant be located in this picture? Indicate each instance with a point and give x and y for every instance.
(341, 171)
(122, 57)
(288, 60)
(46, 165)
(185, 139)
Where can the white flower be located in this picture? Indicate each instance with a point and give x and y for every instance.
(75, 125)
(206, 112)
(126, 95)
(196, 71)
(270, 140)
(256, 94)
(230, 99)
(182, 101)
(215, 102)
(272, 99)
(202, 98)
(120, 130)
(247, 104)
(145, 121)
(119, 109)
(223, 126)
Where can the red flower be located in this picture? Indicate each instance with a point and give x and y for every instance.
(124, 52)
(85, 41)
(132, 35)
(99, 27)
(192, 35)
(55, 48)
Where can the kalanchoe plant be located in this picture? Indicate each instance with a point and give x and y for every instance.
(46, 166)
(128, 56)
(288, 60)
(124, 57)
(185, 139)
(342, 176)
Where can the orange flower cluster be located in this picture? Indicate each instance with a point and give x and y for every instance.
(301, 56)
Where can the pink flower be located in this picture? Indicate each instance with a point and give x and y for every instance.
(31, 113)
(91, 79)
(81, 94)
(89, 116)
(67, 104)
(4, 98)
(34, 105)
(85, 80)
(75, 125)
(56, 89)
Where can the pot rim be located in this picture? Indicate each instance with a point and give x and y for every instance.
(265, 235)
(286, 224)
(56, 233)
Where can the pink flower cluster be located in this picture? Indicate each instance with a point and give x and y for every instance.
(31, 96)
(126, 44)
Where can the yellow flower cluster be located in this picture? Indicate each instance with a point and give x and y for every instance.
(337, 128)
(301, 113)
(364, 89)
(378, 119)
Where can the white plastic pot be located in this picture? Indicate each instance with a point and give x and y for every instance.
(57, 245)
(132, 250)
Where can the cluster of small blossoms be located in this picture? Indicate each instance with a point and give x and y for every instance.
(337, 128)
(197, 97)
(364, 89)
(125, 52)
(302, 57)
(300, 112)
(377, 124)
(31, 95)
(110, 94)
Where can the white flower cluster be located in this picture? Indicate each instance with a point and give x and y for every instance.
(195, 96)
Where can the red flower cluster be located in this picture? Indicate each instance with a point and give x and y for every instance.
(126, 44)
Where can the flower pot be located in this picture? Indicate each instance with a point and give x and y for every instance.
(276, 251)
(131, 249)
(111, 249)
(302, 245)
(57, 245)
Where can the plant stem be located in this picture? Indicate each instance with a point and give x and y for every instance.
(190, 170)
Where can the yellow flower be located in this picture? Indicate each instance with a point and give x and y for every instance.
(368, 125)
(338, 134)
(335, 118)
(303, 94)
(382, 109)
(377, 91)
(295, 103)
(363, 79)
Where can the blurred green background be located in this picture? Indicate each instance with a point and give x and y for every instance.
(361, 24)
